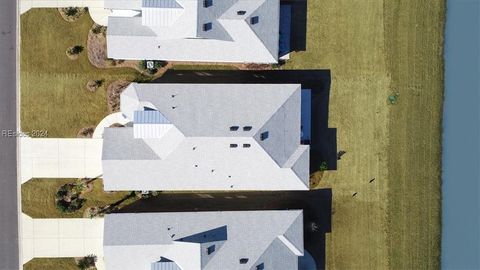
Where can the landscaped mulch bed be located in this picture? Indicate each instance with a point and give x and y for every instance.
(113, 94)
(86, 132)
(71, 14)
(97, 50)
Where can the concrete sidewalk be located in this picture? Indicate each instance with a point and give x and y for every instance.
(61, 238)
(60, 158)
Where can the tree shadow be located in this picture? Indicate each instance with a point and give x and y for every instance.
(316, 206)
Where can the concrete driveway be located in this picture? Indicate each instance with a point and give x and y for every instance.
(60, 158)
(61, 238)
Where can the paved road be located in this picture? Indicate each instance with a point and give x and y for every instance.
(316, 205)
(8, 175)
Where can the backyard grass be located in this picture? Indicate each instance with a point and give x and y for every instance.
(38, 198)
(53, 93)
(374, 49)
(51, 264)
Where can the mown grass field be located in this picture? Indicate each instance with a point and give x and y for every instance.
(38, 198)
(51, 264)
(375, 48)
(53, 93)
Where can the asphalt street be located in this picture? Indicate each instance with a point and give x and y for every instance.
(9, 258)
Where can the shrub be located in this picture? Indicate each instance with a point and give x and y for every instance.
(87, 262)
(99, 82)
(76, 49)
(67, 198)
(71, 11)
(323, 166)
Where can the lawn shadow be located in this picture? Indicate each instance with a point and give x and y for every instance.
(316, 206)
(323, 144)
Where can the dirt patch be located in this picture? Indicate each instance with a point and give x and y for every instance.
(71, 14)
(70, 55)
(86, 132)
(254, 66)
(113, 94)
(315, 179)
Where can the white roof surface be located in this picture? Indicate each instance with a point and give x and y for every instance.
(173, 30)
(139, 241)
(196, 150)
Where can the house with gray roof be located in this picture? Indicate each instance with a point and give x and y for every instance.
(207, 137)
(233, 31)
(236, 240)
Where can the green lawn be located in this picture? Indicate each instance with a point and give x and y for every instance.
(373, 49)
(51, 264)
(38, 198)
(53, 93)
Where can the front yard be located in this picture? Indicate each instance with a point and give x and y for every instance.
(38, 198)
(53, 87)
(373, 48)
(51, 264)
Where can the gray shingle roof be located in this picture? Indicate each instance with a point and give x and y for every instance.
(142, 239)
(198, 150)
(232, 37)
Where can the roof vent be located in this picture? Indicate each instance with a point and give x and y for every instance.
(264, 136)
(243, 260)
(210, 249)
(233, 145)
(207, 26)
(233, 128)
(247, 128)
(246, 145)
(254, 20)
(241, 12)
(260, 266)
(207, 3)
